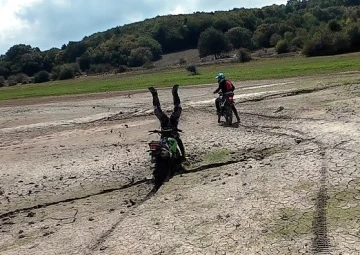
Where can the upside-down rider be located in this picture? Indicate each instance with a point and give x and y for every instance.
(172, 122)
(225, 86)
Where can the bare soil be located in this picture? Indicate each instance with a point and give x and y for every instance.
(76, 174)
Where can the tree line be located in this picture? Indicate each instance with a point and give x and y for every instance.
(316, 27)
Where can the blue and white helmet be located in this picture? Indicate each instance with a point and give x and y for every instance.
(220, 77)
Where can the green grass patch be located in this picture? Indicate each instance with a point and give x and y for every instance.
(342, 212)
(215, 156)
(255, 70)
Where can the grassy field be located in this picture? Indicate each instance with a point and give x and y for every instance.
(255, 70)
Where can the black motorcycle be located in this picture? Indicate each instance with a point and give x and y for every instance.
(165, 155)
(226, 107)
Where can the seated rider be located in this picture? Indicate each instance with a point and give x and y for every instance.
(173, 121)
(225, 86)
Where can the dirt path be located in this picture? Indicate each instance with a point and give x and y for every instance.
(75, 176)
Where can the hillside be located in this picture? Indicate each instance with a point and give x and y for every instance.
(315, 27)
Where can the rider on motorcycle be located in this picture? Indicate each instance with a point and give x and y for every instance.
(173, 121)
(225, 86)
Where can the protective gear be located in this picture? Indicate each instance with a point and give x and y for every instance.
(220, 77)
(225, 86)
(173, 121)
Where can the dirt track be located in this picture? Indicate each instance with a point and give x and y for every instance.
(75, 174)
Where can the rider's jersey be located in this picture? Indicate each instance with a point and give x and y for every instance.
(225, 86)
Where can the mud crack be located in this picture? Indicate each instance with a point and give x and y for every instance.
(105, 191)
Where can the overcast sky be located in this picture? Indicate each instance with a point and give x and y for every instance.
(51, 23)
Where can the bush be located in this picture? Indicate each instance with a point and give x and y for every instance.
(122, 69)
(22, 78)
(353, 32)
(41, 77)
(148, 65)
(2, 81)
(66, 72)
(12, 80)
(297, 42)
(327, 43)
(100, 68)
(341, 42)
(244, 56)
(334, 25)
(192, 69)
(182, 61)
(282, 47)
(55, 73)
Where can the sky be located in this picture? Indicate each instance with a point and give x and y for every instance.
(51, 23)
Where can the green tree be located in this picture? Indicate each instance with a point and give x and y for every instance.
(153, 45)
(263, 33)
(4, 69)
(274, 39)
(15, 52)
(31, 63)
(84, 61)
(213, 42)
(74, 50)
(353, 32)
(240, 37)
(334, 25)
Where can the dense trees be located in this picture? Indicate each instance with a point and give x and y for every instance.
(316, 27)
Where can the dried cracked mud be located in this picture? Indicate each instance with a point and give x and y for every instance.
(76, 177)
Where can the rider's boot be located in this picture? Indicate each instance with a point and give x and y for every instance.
(175, 95)
(156, 101)
(182, 149)
(236, 115)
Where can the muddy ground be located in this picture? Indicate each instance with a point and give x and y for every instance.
(75, 173)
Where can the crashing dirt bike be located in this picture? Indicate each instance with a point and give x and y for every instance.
(226, 107)
(165, 155)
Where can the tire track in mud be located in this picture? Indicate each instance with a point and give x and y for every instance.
(102, 192)
(92, 248)
(320, 241)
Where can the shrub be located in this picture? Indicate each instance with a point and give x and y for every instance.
(192, 69)
(282, 47)
(2, 81)
(12, 80)
(297, 42)
(122, 69)
(148, 65)
(41, 77)
(244, 56)
(66, 72)
(55, 73)
(274, 39)
(182, 61)
(22, 78)
(100, 68)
